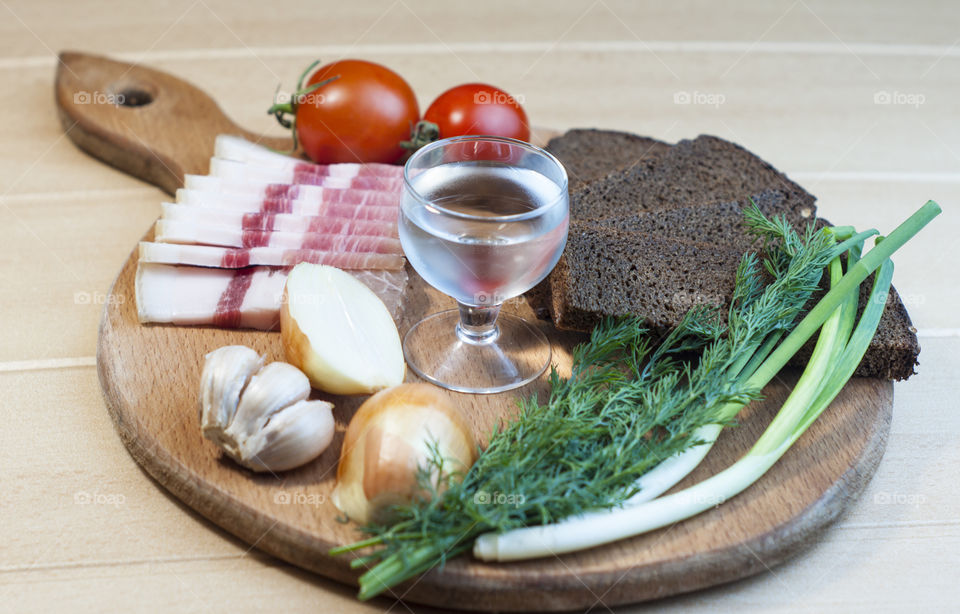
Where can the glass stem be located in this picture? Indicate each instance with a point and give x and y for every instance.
(478, 323)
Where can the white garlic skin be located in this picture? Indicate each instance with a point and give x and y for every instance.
(226, 372)
(274, 387)
(259, 415)
(292, 437)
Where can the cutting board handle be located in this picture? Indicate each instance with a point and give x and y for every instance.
(142, 121)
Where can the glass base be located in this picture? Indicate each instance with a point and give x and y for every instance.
(439, 351)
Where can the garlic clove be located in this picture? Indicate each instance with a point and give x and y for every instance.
(259, 415)
(291, 437)
(226, 372)
(274, 387)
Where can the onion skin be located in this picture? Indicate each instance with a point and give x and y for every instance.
(387, 440)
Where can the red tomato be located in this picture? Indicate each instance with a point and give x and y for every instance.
(360, 117)
(477, 108)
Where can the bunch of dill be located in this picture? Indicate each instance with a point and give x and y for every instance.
(626, 407)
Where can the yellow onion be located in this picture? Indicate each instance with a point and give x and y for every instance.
(388, 439)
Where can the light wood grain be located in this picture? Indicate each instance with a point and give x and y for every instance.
(142, 121)
(218, 25)
(149, 376)
(783, 118)
(56, 268)
(152, 551)
(803, 117)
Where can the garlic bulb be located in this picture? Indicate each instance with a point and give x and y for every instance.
(259, 415)
(388, 439)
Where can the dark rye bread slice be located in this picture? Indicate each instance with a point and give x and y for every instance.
(718, 224)
(605, 272)
(686, 178)
(657, 177)
(589, 154)
(715, 223)
(894, 349)
(705, 170)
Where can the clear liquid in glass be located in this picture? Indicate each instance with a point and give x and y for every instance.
(459, 241)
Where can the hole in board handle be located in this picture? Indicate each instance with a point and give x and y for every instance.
(134, 97)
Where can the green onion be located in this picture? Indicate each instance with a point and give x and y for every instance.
(833, 362)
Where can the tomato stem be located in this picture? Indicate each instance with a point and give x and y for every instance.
(286, 112)
(422, 133)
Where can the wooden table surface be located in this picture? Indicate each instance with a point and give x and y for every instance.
(856, 100)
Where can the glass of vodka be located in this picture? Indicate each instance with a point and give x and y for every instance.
(483, 220)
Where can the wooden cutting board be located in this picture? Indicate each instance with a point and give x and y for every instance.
(149, 376)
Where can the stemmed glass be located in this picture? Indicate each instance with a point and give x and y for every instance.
(482, 219)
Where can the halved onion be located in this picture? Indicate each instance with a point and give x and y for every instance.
(337, 331)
